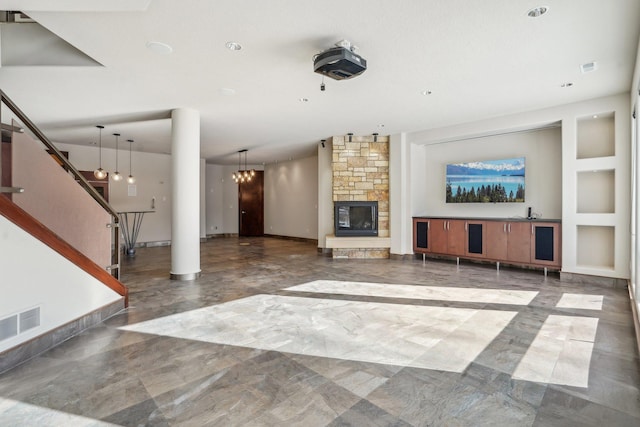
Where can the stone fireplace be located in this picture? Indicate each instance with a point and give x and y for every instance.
(360, 166)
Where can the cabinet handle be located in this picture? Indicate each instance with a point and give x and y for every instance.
(448, 225)
(428, 225)
(509, 227)
(532, 229)
(465, 226)
(444, 225)
(504, 227)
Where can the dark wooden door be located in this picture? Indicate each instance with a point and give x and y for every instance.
(251, 206)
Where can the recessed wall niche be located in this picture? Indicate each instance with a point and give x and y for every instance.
(596, 246)
(596, 136)
(596, 191)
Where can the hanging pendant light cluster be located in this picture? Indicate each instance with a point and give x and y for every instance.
(243, 175)
(116, 174)
(101, 173)
(130, 179)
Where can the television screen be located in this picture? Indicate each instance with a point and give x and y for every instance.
(489, 181)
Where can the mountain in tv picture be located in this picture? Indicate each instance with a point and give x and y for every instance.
(476, 169)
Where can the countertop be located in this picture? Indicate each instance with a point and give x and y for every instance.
(511, 219)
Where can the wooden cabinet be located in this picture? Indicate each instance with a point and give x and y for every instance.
(508, 241)
(545, 248)
(475, 239)
(448, 237)
(517, 242)
(439, 236)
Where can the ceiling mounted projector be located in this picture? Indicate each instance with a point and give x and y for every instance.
(340, 62)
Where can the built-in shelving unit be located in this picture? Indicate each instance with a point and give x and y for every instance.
(596, 193)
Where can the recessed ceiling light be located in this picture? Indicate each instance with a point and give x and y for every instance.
(426, 92)
(304, 99)
(595, 116)
(233, 46)
(537, 11)
(159, 48)
(566, 84)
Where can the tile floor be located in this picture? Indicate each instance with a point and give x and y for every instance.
(273, 334)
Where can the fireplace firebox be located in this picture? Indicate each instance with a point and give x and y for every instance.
(356, 219)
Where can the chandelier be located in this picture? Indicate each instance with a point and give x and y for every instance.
(243, 175)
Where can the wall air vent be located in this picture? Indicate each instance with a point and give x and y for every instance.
(9, 327)
(19, 323)
(29, 319)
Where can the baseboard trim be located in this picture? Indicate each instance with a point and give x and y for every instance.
(401, 257)
(586, 279)
(636, 319)
(21, 353)
(295, 239)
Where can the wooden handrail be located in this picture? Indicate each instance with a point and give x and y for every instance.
(84, 183)
(24, 220)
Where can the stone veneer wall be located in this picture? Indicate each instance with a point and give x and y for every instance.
(361, 173)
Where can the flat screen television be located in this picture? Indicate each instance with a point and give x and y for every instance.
(487, 181)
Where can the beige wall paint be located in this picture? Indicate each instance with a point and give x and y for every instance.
(291, 198)
(543, 162)
(54, 198)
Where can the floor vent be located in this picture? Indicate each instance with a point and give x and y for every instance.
(29, 319)
(9, 327)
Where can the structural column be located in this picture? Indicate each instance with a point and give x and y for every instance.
(185, 208)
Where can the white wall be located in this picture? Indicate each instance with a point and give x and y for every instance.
(291, 198)
(571, 220)
(203, 199)
(63, 291)
(222, 199)
(214, 199)
(543, 162)
(325, 192)
(153, 180)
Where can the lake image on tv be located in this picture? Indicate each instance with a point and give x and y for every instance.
(494, 181)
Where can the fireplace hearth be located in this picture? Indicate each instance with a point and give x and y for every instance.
(356, 219)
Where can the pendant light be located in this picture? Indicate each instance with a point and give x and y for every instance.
(116, 175)
(130, 179)
(243, 175)
(100, 173)
(248, 174)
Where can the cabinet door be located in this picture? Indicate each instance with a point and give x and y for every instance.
(456, 237)
(439, 236)
(420, 235)
(496, 240)
(519, 242)
(545, 244)
(475, 239)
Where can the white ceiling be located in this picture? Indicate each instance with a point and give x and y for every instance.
(480, 59)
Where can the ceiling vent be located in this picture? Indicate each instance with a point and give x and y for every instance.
(340, 62)
(589, 67)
